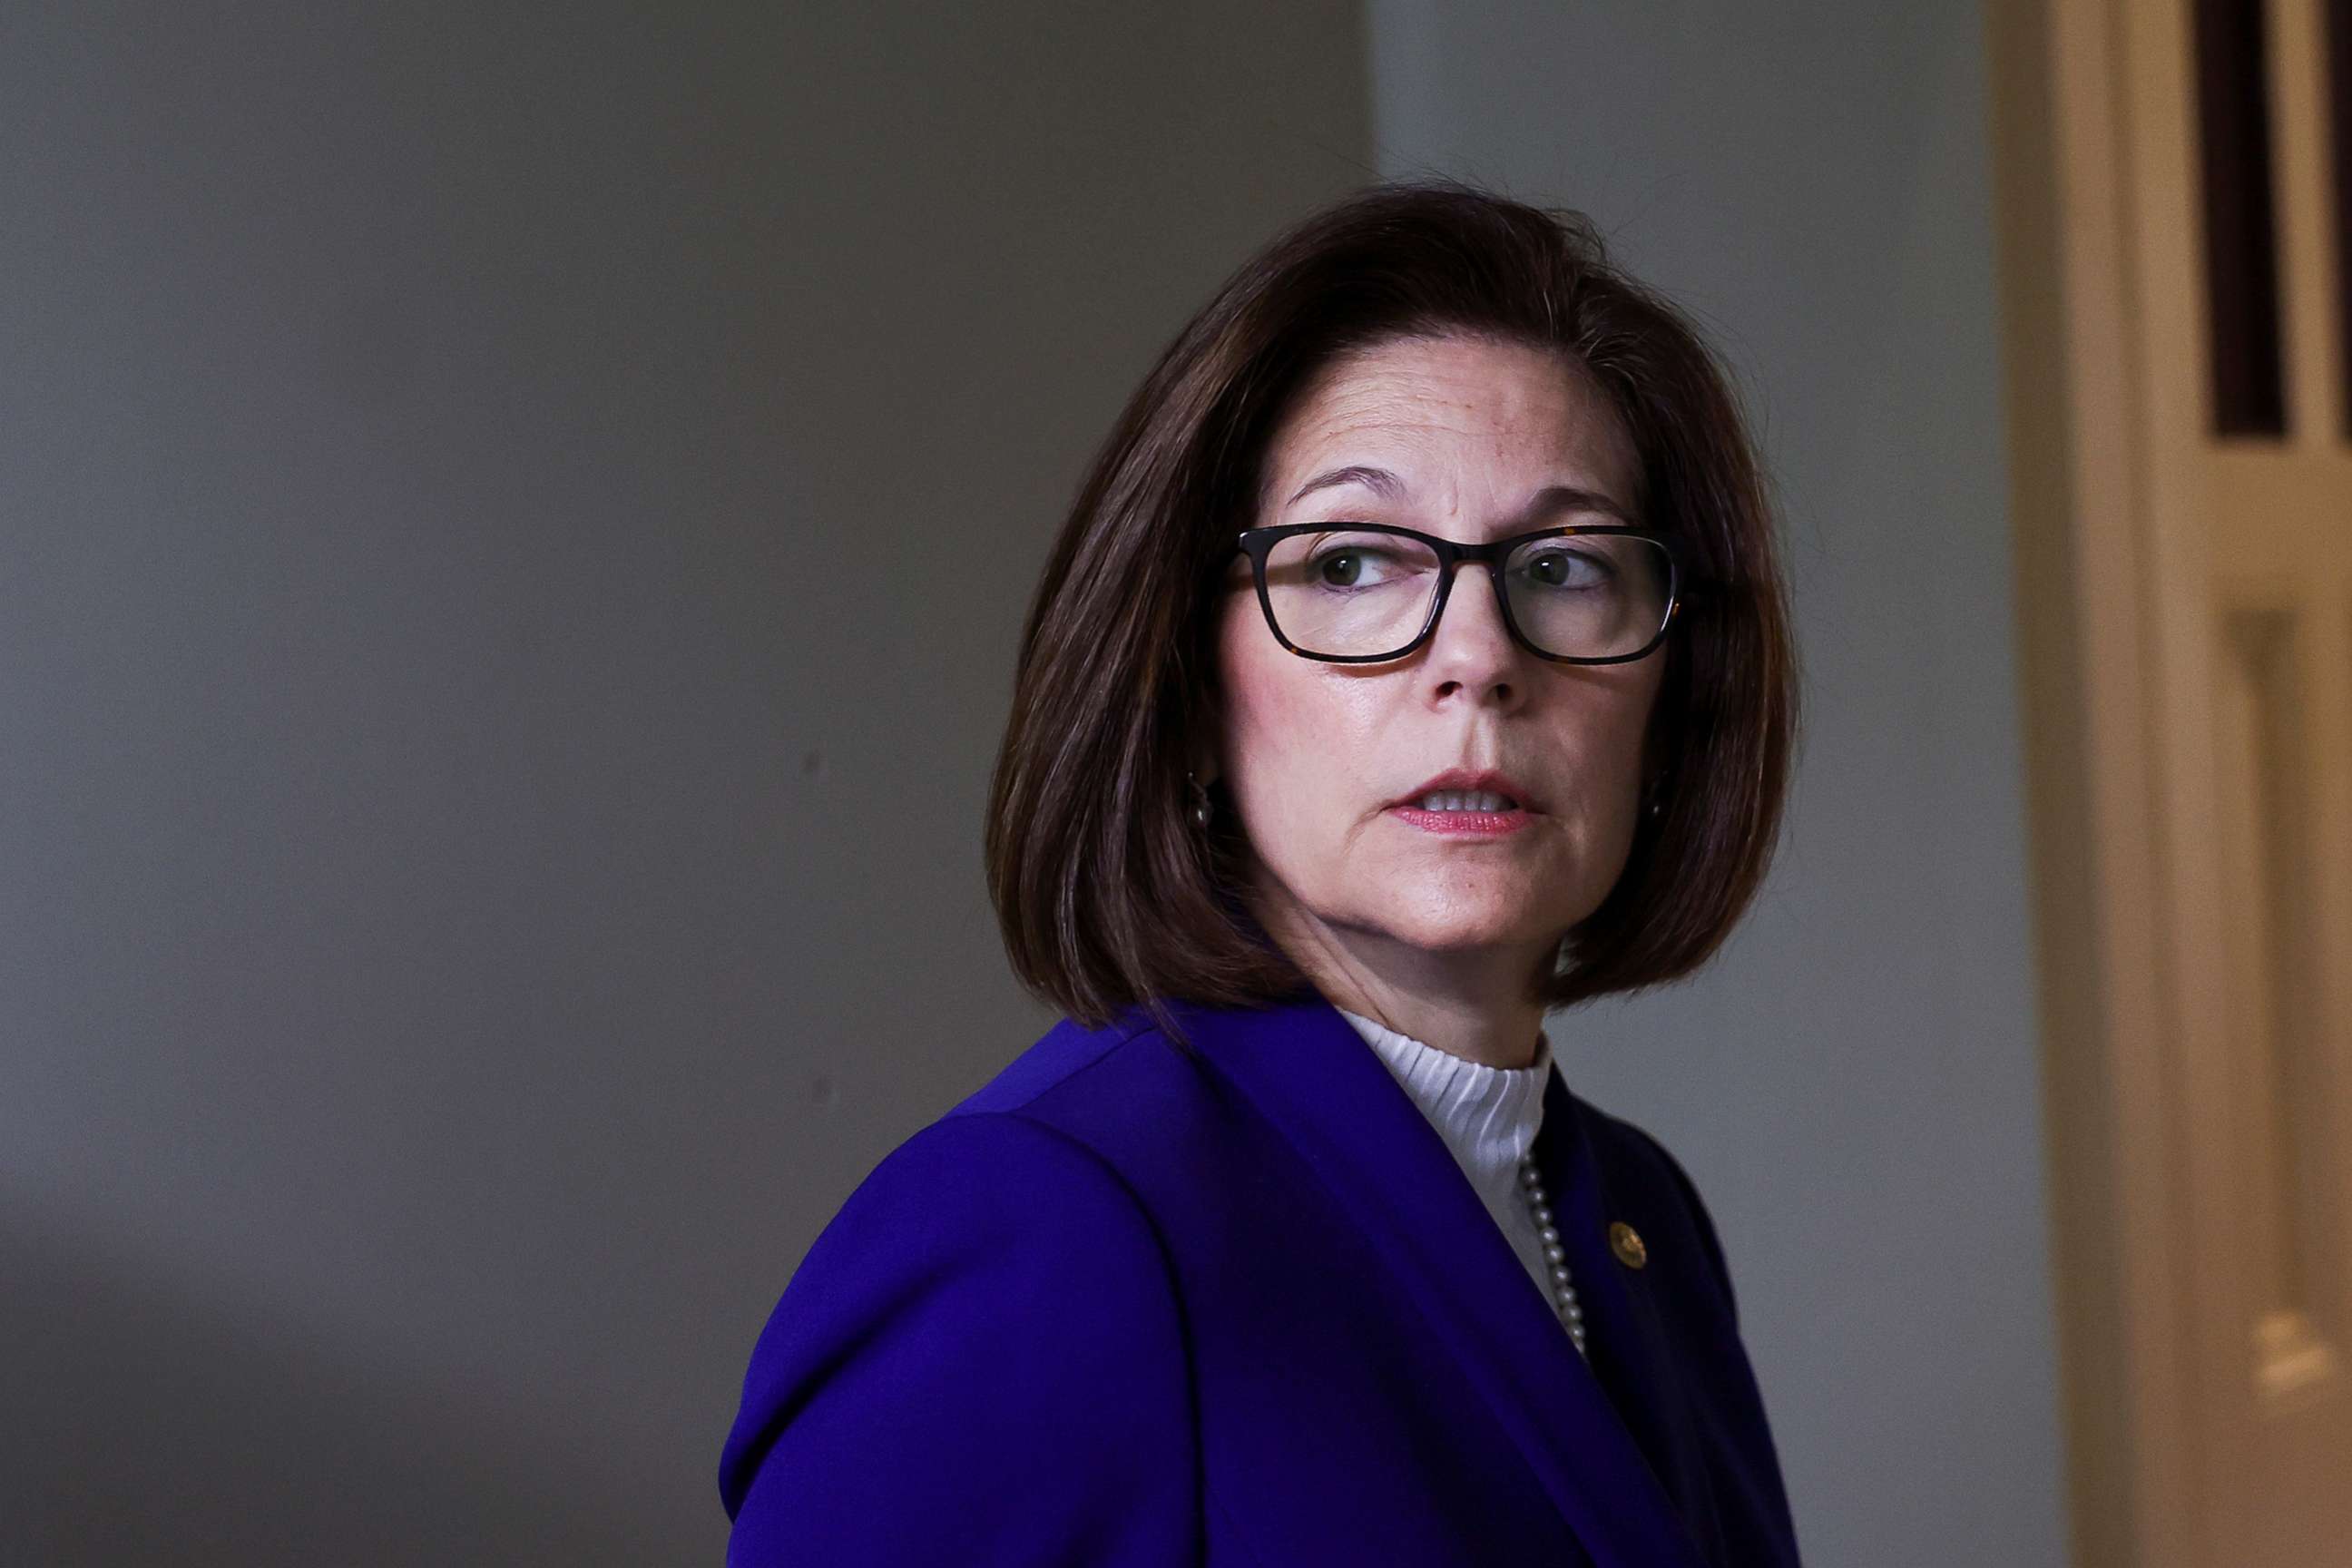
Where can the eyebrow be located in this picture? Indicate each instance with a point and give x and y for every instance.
(1379, 482)
(1549, 501)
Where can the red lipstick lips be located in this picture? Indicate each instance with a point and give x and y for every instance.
(1469, 823)
(1463, 779)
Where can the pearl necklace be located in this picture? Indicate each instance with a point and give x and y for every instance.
(1563, 1289)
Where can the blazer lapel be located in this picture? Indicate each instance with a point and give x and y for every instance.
(1628, 1343)
(1311, 1074)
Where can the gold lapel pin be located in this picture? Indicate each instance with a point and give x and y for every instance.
(1626, 1243)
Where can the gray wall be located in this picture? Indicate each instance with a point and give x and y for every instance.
(513, 523)
(1854, 1084)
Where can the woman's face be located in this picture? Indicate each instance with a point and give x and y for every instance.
(1471, 431)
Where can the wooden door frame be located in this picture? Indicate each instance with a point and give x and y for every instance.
(2087, 597)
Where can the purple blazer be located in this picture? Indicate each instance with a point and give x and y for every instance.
(1132, 1307)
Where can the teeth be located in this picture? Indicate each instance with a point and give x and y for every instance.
(1465, 800)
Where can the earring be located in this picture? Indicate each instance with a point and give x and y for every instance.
(1201, 807)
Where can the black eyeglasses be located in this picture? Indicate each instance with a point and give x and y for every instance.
(1359, 593)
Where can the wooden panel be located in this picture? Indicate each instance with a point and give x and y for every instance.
(2189, 661)
(2271, 931)
(2339, 127)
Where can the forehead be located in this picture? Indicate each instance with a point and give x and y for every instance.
(1459, 396)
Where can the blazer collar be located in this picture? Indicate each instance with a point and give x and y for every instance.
(1309, 1072)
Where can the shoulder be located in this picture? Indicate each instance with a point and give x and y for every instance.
(1128, 1048)
(989, 1278)
(975, 1202)
(1008, 1185)
(1126, 1093)
(988, 1172)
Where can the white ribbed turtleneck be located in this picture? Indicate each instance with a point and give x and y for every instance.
(1488, 1117)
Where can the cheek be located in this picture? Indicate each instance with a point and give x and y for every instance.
(1600, 728)
(1261, 709)
(1620, 729)
(1284, 730)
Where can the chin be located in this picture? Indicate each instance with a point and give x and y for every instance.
(1460, 928)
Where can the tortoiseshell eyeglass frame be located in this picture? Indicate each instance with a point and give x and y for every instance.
(1257, 542)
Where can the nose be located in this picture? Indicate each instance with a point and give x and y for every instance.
(1470, 648)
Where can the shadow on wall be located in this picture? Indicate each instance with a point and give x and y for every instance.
(154, 1417)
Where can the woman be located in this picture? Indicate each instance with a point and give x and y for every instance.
(1414, 661)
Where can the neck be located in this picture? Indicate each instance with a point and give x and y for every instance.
(1489, 1037)
(1479, 1004)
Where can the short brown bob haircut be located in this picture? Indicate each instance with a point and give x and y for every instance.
(1107, 893)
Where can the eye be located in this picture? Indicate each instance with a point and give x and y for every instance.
(1354, 566)
(1569, 569)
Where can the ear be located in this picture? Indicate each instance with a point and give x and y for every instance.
(1204, 765)
(1201, 752)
